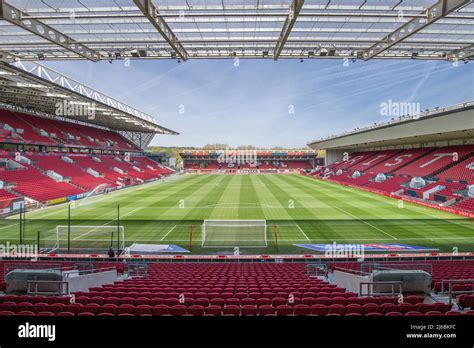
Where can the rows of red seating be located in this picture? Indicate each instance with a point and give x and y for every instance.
(452, 167)
(6, 195)
(30, 182)
(467, 205)
(235, 289)
(27, 128)
(464, 170)
(435, 160)
(398, 160)
(77, 174)
(109, 309)
(440, 270)
(265, 165)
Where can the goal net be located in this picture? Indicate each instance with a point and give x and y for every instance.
(83, 238)
(234, 233)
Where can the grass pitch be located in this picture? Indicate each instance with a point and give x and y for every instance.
(304, 210)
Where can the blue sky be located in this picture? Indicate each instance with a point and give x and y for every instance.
(266, 103)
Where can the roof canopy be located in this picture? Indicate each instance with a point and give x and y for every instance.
(187, 29)
(42, 90)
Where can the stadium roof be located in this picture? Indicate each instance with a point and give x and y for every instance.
(37, 88)
(187, 29)
(454, 122)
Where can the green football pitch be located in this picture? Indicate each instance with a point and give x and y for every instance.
(299, 209)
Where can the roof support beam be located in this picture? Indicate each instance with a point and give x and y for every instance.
(24, 21)
(436, 11)
(151, 12)
(7, 57)
(463, 53)
(295, 9)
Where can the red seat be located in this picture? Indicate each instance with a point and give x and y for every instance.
(178, 310)
(65, 314)
(302, 309)
(319, 309)
(160, 310)
(213, 310)
(354, 308)
(231, 310)
(371, 308)
(266, 310)
(337, 309)
(143, 310)
(284, 310)
(196, 310)
(249, 310)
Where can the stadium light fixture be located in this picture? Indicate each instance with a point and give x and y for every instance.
(433, 13)
(290, 21)
(25, 21)
(152, 14)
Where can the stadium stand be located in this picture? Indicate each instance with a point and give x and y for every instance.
(23, 128)
(447, 176)
(199, 289)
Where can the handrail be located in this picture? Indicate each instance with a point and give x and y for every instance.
(350, 270)
(450, 291)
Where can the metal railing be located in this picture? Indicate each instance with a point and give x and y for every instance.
(32, 287)
(447, 287)
(393, 285)
(370, 266)
(137, 269)
(316, 270)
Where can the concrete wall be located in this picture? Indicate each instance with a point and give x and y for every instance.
(349, 281)
(87, 281)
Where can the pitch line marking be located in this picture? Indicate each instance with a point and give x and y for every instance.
(304, 234)
(365, 222)
(107, 223)
(172, 228)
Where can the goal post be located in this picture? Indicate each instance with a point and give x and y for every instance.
(92, 238)
(234, 233)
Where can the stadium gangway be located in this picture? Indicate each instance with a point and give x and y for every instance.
(62, 287)
(447, 287)
(314, 270)
(370, 287)
(370, 266)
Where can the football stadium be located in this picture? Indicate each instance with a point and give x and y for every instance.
(131, 198)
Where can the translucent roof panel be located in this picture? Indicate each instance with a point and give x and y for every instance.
(116, 29)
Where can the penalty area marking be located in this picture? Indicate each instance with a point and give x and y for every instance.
(365, 222)
(304, 234)
(167, 233)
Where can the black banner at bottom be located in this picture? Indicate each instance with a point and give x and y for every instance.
(194, 331)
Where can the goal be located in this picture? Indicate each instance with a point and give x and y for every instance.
(234, 233)
(90, 238)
